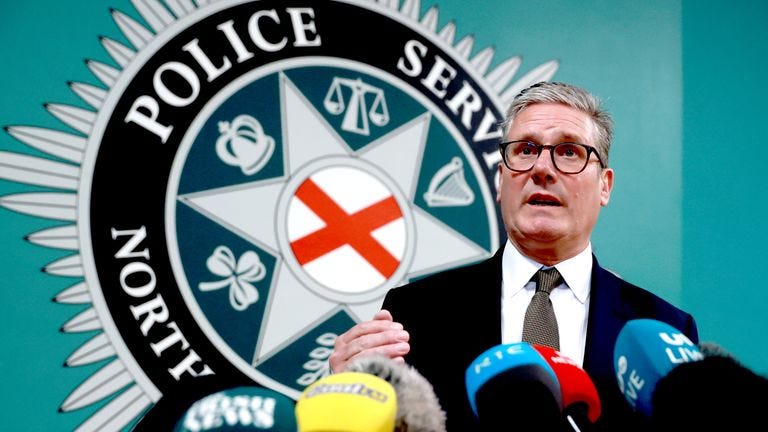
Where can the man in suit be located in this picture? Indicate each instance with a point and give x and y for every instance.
(553, 181)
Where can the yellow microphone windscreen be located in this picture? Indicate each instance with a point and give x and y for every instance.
(347, 402)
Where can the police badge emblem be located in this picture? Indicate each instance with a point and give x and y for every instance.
(253, 177)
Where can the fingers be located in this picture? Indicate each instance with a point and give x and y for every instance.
(366, 328)
(380, 336)
(399, 359)
(394, 351)
(383, 315)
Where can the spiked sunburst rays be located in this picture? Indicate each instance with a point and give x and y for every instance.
(58, 184)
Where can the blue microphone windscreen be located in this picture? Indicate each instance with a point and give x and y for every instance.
(511, 376)
(646, 350)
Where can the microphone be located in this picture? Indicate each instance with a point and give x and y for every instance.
(347, 402)
(711, 349)
(240, 409)
(512, 386)
(418, 409)
(717, 390)
(581, 403)
(646, 350)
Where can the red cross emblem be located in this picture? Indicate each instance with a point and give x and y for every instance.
(341, 228)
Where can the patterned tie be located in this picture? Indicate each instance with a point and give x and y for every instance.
(540, 325)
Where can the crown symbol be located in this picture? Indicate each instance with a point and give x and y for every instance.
(242, 143)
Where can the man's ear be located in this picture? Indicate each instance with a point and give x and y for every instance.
(606, 186)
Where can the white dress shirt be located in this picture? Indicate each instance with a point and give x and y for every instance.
(570, 299)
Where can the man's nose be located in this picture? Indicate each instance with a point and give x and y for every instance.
(544, 167)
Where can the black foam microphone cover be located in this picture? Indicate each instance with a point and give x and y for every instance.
(519, 399)
(717, 390)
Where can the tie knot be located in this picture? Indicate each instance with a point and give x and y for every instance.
(547, 279)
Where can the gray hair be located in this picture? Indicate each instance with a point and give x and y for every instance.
(572, 96)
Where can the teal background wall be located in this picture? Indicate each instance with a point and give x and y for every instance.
(684, 81)
(725, 63)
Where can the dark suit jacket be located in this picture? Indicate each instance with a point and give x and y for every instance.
(454, 316)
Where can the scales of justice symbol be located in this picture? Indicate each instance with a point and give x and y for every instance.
(447, 187)
(357, 112)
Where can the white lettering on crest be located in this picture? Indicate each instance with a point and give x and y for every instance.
(146, 109)
(465, 103)
(137, 279)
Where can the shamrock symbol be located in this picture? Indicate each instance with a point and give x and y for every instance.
(238, 276)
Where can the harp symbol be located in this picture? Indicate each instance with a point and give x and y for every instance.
(448, 187)
(357, 111)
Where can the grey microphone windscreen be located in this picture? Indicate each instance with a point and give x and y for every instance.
(711, 349)
(418, 409)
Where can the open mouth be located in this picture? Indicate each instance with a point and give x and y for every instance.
(542, 200)
(544, 203)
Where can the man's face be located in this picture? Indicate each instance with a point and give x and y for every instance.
(548, 215)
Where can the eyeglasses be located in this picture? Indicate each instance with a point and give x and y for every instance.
(567, 157)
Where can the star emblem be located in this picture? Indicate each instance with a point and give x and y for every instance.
(352, 265)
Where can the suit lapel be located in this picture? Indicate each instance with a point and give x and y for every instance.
(483, 310)
(606, 318)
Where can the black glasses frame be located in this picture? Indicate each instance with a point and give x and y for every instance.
(541, 147)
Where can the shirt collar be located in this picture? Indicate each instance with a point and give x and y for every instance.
(518, 269)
